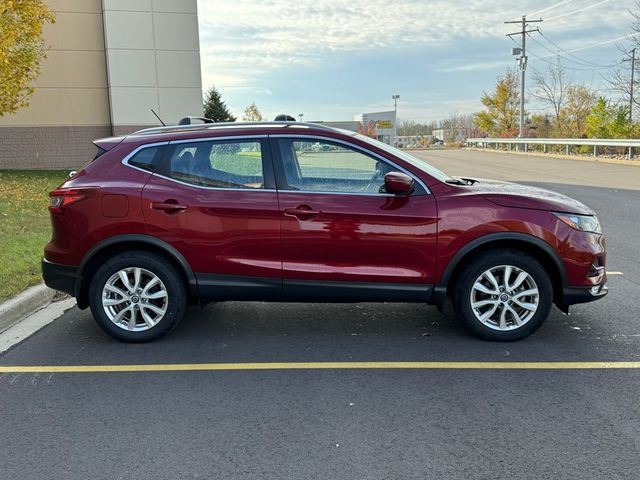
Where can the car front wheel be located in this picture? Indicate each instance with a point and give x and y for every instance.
(137, 296)
(503, 295)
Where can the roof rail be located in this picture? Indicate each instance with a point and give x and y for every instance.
(213, 126)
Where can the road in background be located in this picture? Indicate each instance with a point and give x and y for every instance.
(348, 424)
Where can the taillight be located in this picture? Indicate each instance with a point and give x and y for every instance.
(63, 197)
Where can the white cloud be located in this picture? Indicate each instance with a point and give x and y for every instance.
(241, 38)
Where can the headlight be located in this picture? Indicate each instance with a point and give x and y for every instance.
(584, 223)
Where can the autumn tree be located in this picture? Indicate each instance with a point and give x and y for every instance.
(215, 108)
(580, 102)
(252, 114)
(21, 50)
(500, 118)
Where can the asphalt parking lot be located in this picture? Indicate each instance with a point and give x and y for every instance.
(347, 423)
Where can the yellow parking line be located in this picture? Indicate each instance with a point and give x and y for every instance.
(194, 367)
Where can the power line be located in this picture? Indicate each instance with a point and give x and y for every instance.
(573, 56)
(544, 59)
(603, 43)
(559, 4)
(590, 65)
(578, 10)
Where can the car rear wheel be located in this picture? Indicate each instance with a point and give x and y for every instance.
(503, 295)
(137, 296)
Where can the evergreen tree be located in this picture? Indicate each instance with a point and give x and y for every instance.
(215, 108)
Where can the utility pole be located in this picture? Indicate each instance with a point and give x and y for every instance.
(395, 120)
(522, 51)
(633, 71)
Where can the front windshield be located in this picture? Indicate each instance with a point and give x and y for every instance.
(416, 162)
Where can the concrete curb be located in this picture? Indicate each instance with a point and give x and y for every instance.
(24, 304)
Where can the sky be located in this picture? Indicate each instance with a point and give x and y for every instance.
(332, 59)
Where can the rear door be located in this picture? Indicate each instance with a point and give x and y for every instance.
(343, 236)
(215, 201)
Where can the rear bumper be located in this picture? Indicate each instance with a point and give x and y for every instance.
(60, 277)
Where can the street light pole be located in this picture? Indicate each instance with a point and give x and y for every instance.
(300, 115)
(395, 98)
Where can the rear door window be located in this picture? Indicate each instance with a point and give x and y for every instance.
(219, 164)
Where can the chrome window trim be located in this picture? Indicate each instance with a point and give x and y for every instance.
(355, 147)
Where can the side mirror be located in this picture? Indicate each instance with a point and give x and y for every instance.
(398, 183)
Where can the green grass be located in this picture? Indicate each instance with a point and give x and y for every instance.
(25, 227)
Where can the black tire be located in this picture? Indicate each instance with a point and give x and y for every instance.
(496, 258)
(176, 296)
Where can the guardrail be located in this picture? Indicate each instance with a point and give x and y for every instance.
(596, 143)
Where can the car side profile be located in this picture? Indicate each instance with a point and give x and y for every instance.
(294, 212)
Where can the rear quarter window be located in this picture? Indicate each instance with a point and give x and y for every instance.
(147, 158)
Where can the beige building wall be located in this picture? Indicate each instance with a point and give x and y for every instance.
(108, 62)
(70, 106)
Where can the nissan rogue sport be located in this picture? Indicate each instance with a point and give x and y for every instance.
(294, 212)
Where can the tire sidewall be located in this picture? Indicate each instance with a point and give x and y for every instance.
(159, 267)
(470, 274)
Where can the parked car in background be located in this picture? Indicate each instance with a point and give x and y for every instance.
(284, 211)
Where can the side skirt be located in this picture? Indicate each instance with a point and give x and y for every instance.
(213, 287)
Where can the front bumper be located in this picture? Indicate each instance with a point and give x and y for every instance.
(60, 277)
(573, 295)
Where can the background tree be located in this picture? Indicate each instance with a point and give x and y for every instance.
(580, 102)
(500, 118)
(21, 50)
(215, 109)
(252, 114)
(540, 126)
(608, 120)
(550, 88)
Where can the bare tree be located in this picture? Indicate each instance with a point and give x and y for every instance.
(550, 88)
(619, 78)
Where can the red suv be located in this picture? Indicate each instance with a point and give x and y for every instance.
(295, 212)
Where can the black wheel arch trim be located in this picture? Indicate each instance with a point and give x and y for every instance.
(440, 291)
(138, 238)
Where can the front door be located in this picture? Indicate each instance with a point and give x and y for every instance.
(342, 235)
(215, 202)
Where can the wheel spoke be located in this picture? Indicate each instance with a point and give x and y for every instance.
(487, 315)
(136, 278)
(120, 314)
(155, 295)
(483, 303)
(145, 316)
(507, 274)
(124, 277)
(132, 319)
(527, 306)
(153, 308)
(519, 279)
(115, 290)
(480, 287)
(516, 318)
(526, 293)
(152, 283)
(110, 302)
(503, 319)
(493, 280)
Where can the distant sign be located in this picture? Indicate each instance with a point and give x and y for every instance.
(384, 124)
